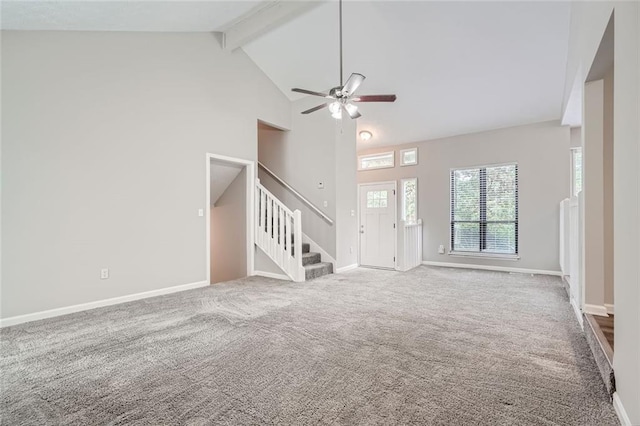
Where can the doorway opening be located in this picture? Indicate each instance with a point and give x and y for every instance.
(229, 230)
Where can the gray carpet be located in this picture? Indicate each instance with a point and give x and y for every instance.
(433, 346)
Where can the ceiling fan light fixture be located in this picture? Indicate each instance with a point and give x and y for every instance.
(351, 108)
(336, 110)
(365, 135)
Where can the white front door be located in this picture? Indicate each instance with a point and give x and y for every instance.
(377, 224)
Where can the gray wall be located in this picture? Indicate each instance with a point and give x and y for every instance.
(104, 137)
(346, 195)
(542, 153)
(229, 232)
(317, 149)
(303, 157)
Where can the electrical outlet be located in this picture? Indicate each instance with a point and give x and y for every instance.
(320, 185)
(353, 213)
(441, 249)
(104, 274)
(326, 204)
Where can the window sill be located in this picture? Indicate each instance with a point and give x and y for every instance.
(484, 255)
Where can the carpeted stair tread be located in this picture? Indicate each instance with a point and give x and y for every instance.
(316, 270)
(311, 258)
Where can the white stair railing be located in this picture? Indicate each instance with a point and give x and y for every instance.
(279, 233)
(409, 245)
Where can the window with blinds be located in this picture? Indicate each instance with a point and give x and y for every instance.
(484, 210)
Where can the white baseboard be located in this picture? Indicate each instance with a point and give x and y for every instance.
(347, 268)
(577, 311)
(620, 411)
(595, 310)
(272, 275)
(6, 322)
(492, 268)
(609, 308)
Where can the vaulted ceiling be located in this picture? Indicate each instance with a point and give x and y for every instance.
(456, 67)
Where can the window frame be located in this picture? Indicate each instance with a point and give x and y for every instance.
(402, 151)
(574, 150)
(403, 208)
(482, 235)
(378, 154)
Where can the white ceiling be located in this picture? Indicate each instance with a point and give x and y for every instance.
(134, 15)
(457, 67)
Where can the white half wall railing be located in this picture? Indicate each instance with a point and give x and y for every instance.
(565, 227)
(279, 233)
(571, 251)
(409, 245)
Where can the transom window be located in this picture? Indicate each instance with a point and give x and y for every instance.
(484, 210)
(382, 160)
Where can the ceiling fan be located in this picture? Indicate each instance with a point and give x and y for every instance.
(340, 98)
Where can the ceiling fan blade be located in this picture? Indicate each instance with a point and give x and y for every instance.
(375, 98)
(355, 80)
(311, 92)
(352, 111)
(314, 109)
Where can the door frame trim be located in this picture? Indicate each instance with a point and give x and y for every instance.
(250, 167)
(395, 213)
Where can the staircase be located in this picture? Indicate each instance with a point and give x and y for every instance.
(313, 265)
(279, 235)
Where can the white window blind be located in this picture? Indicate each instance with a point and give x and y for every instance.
(484, 209)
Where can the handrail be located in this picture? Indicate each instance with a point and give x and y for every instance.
(297, 194)
(275, 199)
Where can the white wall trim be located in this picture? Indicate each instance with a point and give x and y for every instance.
(347, 268)
(492, 268)
(595, 310)
(271, 275)
(578, 312)
(620, 411)
(316, 248)
(6, 322)
(609, 308)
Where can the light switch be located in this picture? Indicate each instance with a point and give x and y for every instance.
(326, 204)
(200, 212)
(320, 185)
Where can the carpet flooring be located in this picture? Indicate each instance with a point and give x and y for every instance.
(433, 346)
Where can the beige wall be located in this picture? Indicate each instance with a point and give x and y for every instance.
(104, 137)
(229, 232)
(542, 153)
(593, 195)
(607, 158)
